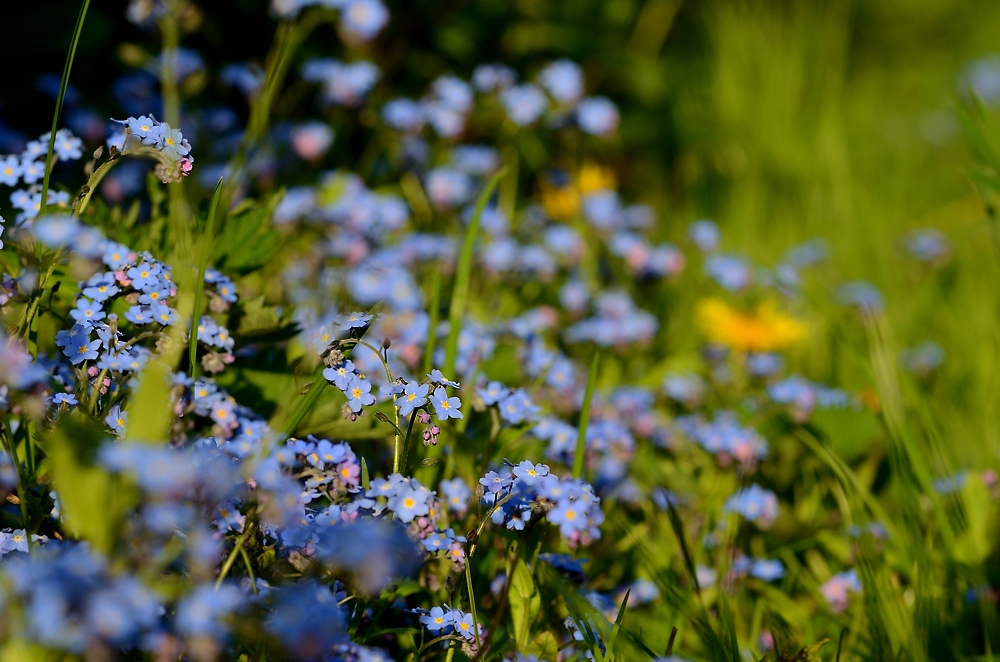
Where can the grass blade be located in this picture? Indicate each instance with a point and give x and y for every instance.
(728, 626)
(609, 654)
(460, 293)
(59, 103)
(199, 290)
(434, 312)
(581, 439)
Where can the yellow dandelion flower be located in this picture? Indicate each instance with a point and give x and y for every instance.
(767, 329)
(561, 199)
(593, 177)
(560, 203)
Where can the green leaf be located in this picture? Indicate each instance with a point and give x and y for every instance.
(254, 320)
(63, 84)
(544, 647)
(581, 439)
(618, 624)
(460, 292)
(149, 413)
(92, 501)
(247, 241)
(525, 603)
(728, 627)
(199, 290)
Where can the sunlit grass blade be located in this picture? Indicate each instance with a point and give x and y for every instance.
(434, 312)
(728, 627)
(63, 84)
(581, 438)
(610, 653)
(678, 526)
(460, 291)
(199, 290)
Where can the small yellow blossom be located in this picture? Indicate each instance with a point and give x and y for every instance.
(562, 202)
(765, 330)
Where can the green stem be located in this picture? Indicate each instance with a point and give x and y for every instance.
(435, 313)
(472, 599)
(397, 447)
(406, 442)
(20, 476)
(463, 275)
(581, 439)
(246, 560)
(105, 167)
(232, 555)
(199, 290)
(29, 313)
(64, 83)
(168, 69)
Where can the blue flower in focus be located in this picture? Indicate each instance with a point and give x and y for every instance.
(437, 620)
(359, 394)
(445, 407)
(340, 375)
(528, 472)
(413, 396)
(437, 377)
(353, 321)
(496, 482)
(117, 420)
(10, 170)
(16, 541)
(407, 504)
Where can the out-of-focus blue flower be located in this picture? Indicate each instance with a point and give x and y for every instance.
(524, 103)
(597, 116)
(344, 84)
(705, 235)
(730, 271)
(307, 619)
(564, 81)
(923, 359)
(768, 570)
(456, 494)
(493, 77)
(447, 187)
(862, 294)
(247, 77)
(926, 245)
(404, 115)
(311, 140)
(755, 504)
(363, 19)
(205, 610)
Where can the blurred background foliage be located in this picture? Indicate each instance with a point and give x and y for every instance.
(780, 120)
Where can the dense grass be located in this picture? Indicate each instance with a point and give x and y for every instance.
(782, 122)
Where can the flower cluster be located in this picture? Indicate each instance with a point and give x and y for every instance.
(147, 131)
(515, 493)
